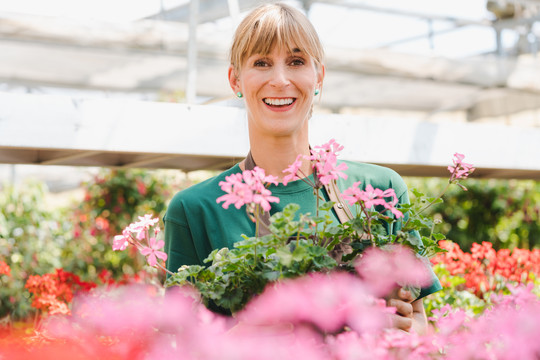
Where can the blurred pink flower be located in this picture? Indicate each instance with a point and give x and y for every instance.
(460, 170)
(138, 324)
(452, 321)
(520, 296)
(248, 188)
(327, 302)
(395, 265)
(153, 251)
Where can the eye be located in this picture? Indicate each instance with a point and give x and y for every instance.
(261, 63)
(297, 62)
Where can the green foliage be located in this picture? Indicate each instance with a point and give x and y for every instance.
(114, 199)
(297, 247)
(503, 212)
(236, 275)
(31, 241)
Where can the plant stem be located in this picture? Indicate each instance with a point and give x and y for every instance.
(36, 320)
(298, 236)
(317, 211)
(368, 219)
(257, 220)
(428, 205)
(305, 179)
(257, 211)
(432, 229)
(165, 269)
(258, 224)
(434, 200)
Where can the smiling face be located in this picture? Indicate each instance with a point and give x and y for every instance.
(276, 63)
(278, 89)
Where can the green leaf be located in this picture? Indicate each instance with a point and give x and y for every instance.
(284, 255)
(326, 206)
(417, 193)
(271, 275)
(439, 237)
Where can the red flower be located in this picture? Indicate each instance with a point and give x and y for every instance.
(483, 265)
(53, 292)
(141, 188)
(5, 269)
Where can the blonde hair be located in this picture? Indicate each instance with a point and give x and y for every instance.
(274, 25)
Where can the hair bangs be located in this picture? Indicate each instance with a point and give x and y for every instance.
(281, 26)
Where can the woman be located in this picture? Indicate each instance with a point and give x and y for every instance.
(277, 68)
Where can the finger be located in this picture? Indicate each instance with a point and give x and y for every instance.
(405, 295)
(402, 308)
(401, 323)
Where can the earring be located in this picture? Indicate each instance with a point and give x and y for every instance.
(239, 94)
(317, 92)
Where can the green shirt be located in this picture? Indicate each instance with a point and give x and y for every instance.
(195, 224)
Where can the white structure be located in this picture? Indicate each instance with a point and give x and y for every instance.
(127, 133)
(486, 106)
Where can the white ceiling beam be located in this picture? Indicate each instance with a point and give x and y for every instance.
(133, 133)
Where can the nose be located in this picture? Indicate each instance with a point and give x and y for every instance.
(280, 77)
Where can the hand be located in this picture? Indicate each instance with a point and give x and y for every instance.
(410, 313)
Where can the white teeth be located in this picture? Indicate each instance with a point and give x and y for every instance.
(279, 101)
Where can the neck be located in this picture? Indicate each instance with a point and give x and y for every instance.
(276, 154)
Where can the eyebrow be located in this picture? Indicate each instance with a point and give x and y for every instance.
(294, 51)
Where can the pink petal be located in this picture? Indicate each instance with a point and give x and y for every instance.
(145, 250)
(158, 244)
(161, 255)
(152, 261)
(120, 242)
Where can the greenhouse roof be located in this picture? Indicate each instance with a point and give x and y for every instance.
(425, 59)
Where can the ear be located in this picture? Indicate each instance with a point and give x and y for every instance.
(233, 79)
(320, 75)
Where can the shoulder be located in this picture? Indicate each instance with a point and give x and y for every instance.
(377, 176)
(197, 196)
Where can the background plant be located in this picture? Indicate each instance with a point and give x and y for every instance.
(31, 241)
(505, 213)
(112, 200)
(36, 239)
(471, 280)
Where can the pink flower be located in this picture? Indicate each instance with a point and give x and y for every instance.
(324, 160)
(372, 197)
(145, 222)
(460, 170)
(121, 242)
(248, 188)
(258, 174)
(153, 251)
(293, 170)
(140, 227)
